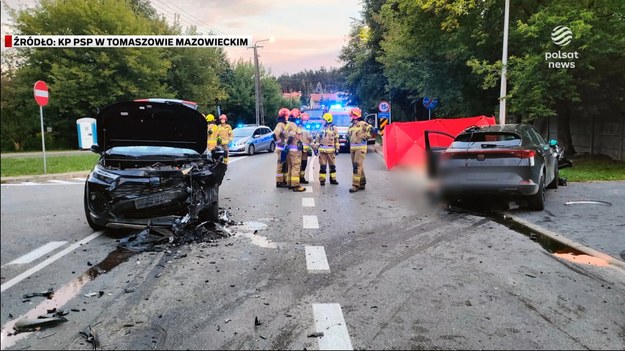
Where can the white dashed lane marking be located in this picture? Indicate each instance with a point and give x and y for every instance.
(48, 261)
(38, 252)
(316, 260)
(329, 321)
(308, 202)
(309, 189)
(310, 222)
(80, 179)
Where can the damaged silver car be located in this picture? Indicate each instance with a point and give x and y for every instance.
(153, 168)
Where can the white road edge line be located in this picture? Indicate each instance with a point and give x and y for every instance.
(316, 260)
(48, 261)
(231, 161)
(60, 181)
(38, 252)
(309, 170)
(308, 202)
(329, 321)
(309, 189)
(310, 222)
(81, 179)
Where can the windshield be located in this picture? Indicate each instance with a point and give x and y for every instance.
(139, 151)
(341, 120)
(243, 132)
(492, 139)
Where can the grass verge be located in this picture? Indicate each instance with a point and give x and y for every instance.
(589, 169)
(15, 166)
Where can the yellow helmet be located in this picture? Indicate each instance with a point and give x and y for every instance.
(328, 117)
(210, 118)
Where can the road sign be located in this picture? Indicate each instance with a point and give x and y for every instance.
(41, 93)
(430, 104)
(383, 119)
(384, 107)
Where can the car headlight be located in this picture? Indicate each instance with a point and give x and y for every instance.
(104, 176)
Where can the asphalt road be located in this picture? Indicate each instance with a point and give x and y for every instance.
(400, 274)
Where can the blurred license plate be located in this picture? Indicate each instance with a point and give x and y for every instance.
(480, 176)
(152, 201)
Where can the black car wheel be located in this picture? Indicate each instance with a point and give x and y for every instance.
(251, 150)
(554, 183)
(536, 202)
(95, 226)
(272, 147)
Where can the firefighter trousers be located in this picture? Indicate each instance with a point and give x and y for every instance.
(281, 176)
(358, 170)
(226, 152)
(294, 166)
(325, 159)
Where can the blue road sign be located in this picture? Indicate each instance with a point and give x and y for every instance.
(384, 115)
(430, 104)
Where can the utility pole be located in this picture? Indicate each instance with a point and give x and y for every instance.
(260, 115)
(504, 63)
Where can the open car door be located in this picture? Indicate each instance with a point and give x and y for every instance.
(433, 152)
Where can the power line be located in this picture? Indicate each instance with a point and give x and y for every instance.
(196, 18)
(189, 19)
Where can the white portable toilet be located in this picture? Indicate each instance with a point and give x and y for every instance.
(87, 132)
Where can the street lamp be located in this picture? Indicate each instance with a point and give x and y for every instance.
(504, 63)
(260, 115)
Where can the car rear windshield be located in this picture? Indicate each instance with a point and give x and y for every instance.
(138, 151)
(486, 139)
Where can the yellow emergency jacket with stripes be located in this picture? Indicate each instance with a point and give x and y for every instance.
(212, 135)
(224, 133)
(358, 134)
(327, 140)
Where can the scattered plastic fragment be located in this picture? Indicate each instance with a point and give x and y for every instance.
(315, 335)
(257, 322)
(48, 294)
(91, 337)
(39, 323)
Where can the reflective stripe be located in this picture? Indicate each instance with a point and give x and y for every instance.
(360, 144)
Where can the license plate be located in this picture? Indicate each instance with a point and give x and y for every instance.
(151, 201)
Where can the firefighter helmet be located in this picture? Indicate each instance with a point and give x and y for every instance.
(295, 113)
(328, 117)
(210, 118)
(284, 112)
(305, 116)
(223, 118)
(355, 113)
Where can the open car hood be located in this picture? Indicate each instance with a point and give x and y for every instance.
(144, 123)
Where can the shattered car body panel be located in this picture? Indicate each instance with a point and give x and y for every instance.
(151, 170)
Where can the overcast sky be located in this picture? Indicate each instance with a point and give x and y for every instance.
(308, 33)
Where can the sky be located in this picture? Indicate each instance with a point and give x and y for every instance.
(306, 34)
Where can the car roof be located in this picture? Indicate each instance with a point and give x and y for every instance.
(190, 104)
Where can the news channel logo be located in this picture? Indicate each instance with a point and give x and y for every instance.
(561, 35)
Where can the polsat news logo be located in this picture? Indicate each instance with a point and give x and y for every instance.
(123, 41)
(561, 36)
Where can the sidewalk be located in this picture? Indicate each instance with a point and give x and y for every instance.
(597, 226)
(41, 177)
(40, 154)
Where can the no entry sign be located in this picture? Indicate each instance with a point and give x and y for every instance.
(41, 93)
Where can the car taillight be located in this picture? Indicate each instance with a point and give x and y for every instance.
(445, 155)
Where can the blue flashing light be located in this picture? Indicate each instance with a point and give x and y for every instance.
(336, 106)
(240, 125)
(308, 126)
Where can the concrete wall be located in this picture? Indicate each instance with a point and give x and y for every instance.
(603, 135)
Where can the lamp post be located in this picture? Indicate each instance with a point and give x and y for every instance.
(260, 115)
(504, 63)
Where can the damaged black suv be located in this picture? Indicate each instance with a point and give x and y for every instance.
(153, 167)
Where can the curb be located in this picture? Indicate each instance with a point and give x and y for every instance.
(566, 241)
(27, 178)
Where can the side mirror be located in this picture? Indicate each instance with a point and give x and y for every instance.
(256, 135)
(96, 148)
(553, 143)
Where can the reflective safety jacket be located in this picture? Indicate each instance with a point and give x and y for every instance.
(224, 134)
(280, 134)
(358, 134)
(327, 140)
(212, 136)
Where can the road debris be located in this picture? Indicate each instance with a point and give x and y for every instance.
(46, 336)
(129, 290)
(257, 322)
(316, 335)
(91, 294)
(47, 294)
(37, 324)
(228, 320)
(91, 337)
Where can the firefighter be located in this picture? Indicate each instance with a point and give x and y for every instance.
(307, 141)
(279, 136)
(327, 147)
(294, 149)
(358, 134)
(224, 136)
(212, 132)
(291, 126)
